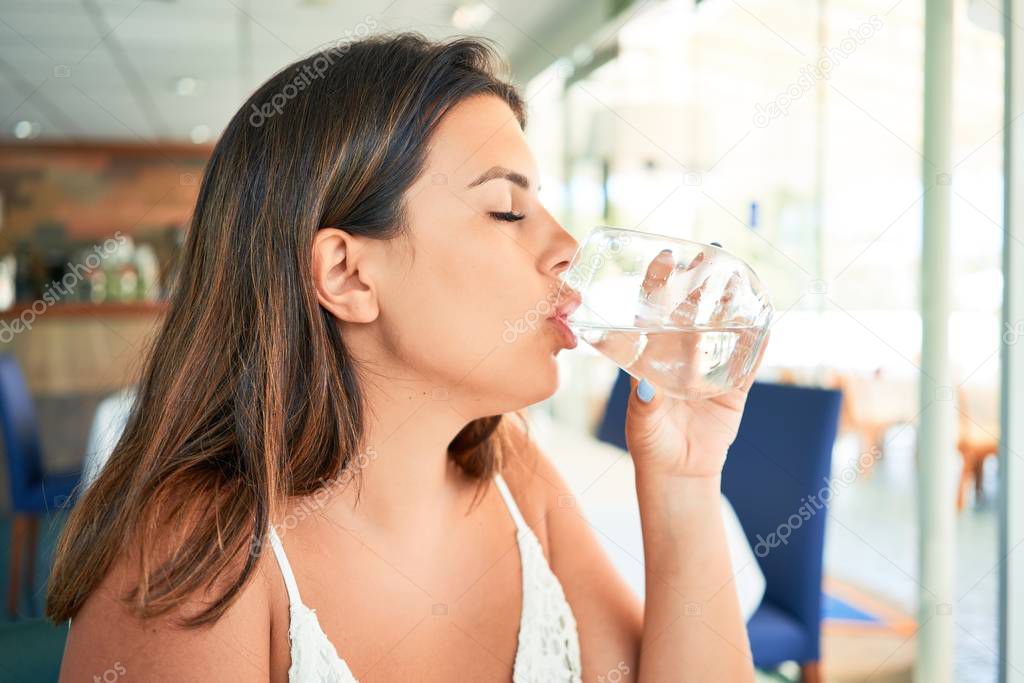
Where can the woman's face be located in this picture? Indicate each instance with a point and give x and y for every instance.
(463, 303)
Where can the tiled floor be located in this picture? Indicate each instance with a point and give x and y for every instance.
(871, 541)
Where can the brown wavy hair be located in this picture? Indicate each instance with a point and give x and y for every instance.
(248, 395)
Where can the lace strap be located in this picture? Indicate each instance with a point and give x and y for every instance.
(510, 502)
(286, 569)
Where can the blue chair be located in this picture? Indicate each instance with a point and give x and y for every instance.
(33, 492)
(777, 477)
(781, 457)
(612, 428)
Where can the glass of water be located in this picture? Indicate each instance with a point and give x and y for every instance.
(688, 317)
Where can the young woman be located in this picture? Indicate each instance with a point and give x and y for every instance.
(325, 475)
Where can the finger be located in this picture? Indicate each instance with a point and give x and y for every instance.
(685, 314)
(637, 403)
(723, 307)
(757, 363)
(684, 346)
(694, 262)
(740, 357)
(653, 288)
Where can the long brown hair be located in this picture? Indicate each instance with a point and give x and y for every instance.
(248, 395)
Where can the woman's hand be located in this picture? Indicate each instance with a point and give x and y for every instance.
(686, 438)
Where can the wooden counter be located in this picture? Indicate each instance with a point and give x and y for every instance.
(80, 348)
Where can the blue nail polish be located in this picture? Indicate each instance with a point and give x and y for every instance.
(645, 391)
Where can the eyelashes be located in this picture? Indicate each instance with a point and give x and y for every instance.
(507, 216)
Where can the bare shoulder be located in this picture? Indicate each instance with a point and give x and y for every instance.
(526, 468)
(609, 615)
(107, 636)
(532, 477)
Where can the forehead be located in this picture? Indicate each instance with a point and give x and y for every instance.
(477, 133)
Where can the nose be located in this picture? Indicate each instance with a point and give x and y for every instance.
(563, 248)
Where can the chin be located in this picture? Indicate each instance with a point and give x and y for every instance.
(521, 379)
(544, 382)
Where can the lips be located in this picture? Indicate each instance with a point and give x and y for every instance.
(568, 301)
(568, 338)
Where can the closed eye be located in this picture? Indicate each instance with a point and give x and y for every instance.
(510, 216)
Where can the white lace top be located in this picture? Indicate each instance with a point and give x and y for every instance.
(548, 650)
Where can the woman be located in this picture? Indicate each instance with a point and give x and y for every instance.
(334, 382)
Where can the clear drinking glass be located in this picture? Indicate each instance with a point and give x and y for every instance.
(688, 317)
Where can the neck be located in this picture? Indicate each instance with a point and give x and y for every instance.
(405, 477)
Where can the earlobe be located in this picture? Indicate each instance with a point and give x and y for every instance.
(340, 276)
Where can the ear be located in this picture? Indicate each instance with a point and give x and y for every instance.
(340, 276)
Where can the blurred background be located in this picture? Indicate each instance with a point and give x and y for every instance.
(791, 133)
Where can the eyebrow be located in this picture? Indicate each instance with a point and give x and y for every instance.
(502, 172)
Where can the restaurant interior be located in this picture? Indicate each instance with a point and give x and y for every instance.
(799, 136)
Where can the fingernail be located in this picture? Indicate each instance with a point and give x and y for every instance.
(645, 391)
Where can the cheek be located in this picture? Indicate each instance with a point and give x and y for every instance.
(504, 351)
(497, 360)
(464, 316)
(484, 285)
(450, 310)
(525, 367)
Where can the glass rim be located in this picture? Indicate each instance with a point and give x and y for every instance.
(602, 227)
(762, 295)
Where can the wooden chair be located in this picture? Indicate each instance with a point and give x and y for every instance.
(34, 492)
(854, 415)
(976, 444)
